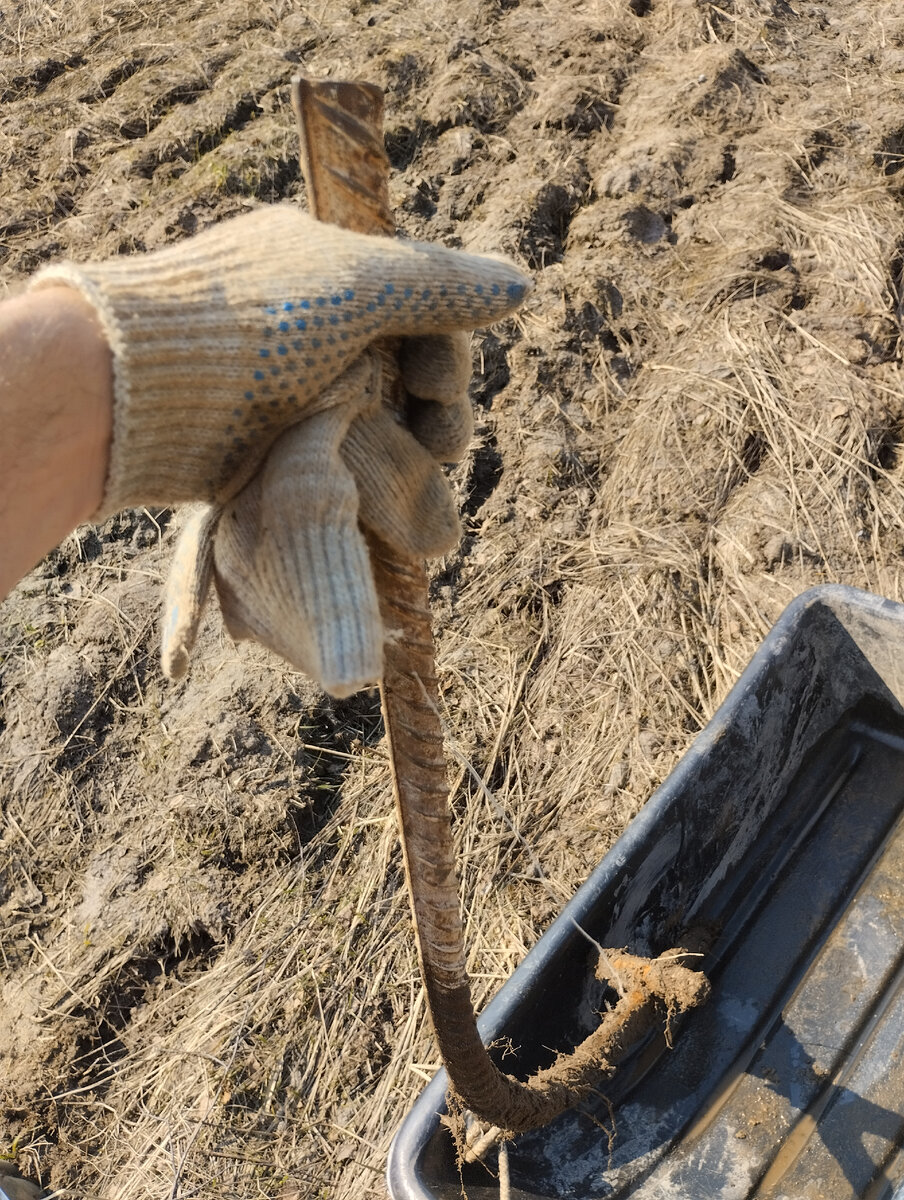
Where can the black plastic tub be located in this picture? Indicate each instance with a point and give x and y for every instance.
(778, 843)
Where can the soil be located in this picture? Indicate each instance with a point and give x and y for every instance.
(209, 986)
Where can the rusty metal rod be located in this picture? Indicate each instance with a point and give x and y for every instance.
(347, 176)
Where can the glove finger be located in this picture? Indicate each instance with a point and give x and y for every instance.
(186, 589)
(435, 372)
(430, 289)
(404, 497)
(292, 570)
(445, 430)
(437, 366)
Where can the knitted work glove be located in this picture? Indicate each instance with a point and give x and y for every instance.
(223, 341)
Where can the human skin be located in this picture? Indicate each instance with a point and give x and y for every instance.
(56, 405)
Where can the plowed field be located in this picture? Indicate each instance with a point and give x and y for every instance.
(209, 985)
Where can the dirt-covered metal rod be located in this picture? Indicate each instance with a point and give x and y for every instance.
(347, 176)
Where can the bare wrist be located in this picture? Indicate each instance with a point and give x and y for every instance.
(56, 406)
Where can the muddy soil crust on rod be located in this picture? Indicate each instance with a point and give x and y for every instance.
(209, 985)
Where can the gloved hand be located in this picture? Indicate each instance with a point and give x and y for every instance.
(223, 341)
(249, 343)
